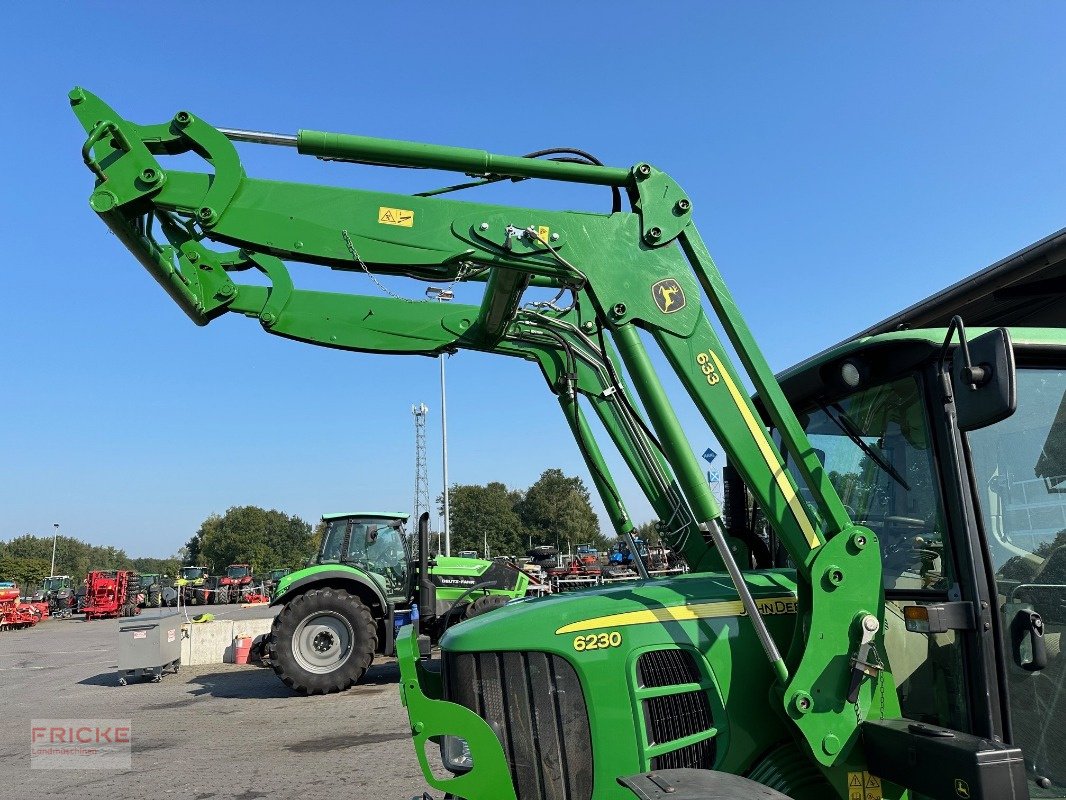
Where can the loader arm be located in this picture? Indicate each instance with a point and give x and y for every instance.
(645, 270)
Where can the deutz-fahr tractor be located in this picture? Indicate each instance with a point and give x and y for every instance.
(364, 585)
(892, 629)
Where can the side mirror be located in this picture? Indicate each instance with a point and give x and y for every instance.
(983, 379)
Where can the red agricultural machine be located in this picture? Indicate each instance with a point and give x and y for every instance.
(110, 594)
(14, 613)
(235, 584)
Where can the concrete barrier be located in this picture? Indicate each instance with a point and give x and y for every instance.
(254, 629)
(212, 642)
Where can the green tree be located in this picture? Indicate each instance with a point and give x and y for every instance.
(556, 509)
(27, 572)
(485, 513)
(253, 535)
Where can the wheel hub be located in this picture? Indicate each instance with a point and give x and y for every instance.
(323, 642)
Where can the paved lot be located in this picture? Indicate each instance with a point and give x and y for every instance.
(219, 731)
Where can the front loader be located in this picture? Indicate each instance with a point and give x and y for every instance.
(858, 642)
(363, 587)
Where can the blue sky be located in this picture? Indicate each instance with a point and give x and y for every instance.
(844, 160)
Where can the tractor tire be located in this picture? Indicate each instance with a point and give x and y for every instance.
(322, 642)
(484, 604)
(222, 597)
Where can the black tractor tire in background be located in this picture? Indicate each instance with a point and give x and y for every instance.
(222, 595)
(483, 605)
(323, 641)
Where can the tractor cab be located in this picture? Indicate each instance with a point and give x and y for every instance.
(53, 583)
(372, 541)
(190, 574)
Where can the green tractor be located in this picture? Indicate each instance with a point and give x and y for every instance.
(363, 586)
(151, 592)
(191, 586)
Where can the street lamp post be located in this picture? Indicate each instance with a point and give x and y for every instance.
(55, 538)
(443, 296)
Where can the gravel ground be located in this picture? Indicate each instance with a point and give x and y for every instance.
(218, 731)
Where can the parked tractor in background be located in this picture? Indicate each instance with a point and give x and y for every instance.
(272, 579)
(14, 613)
(364, 585)
(58, 592)
(111, 594)
(151, 590)
(232, 586)
(190, 585)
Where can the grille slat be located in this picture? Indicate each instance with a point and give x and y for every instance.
(536, 706)
(667, 668)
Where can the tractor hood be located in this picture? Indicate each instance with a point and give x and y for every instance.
(462, 574)
(531, 623)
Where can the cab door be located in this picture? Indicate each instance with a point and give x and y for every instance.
(1019, 471)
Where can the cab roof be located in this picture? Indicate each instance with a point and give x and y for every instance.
(372, 514)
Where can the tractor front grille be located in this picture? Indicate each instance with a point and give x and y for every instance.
(667, 668)
(696, 756)
(676, 715)
(536, 706)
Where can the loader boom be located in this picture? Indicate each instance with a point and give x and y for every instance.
(642, 271)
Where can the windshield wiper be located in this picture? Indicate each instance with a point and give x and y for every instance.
(852, 431)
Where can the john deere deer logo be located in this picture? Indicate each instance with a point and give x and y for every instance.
(962, 789)
(668, 296)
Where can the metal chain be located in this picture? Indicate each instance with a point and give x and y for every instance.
(366, 269)
(881, 685)
(464, 271)
(881, 678)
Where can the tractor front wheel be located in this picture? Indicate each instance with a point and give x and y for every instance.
(322, 641)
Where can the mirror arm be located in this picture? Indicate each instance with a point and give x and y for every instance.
(974, 376)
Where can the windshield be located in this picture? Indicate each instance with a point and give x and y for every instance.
(238, 571)
(374, 545)
(875, 447)
(192, 573)
(52, 584)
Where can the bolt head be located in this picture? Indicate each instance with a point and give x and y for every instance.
(484, 226)
(102, 200)
(683, 205)
(643, 170)
(554, 237)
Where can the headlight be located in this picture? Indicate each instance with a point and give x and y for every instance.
(455, 753)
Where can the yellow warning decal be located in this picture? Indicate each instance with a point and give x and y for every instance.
(864, 786)
(396, 216)
(543, 231)
(726, 608)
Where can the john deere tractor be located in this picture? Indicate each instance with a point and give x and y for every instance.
(347, 607)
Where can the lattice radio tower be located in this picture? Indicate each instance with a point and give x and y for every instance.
(421, 470)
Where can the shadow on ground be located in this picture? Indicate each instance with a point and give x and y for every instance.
(263, 683)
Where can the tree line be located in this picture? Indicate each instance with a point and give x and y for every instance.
(555, 511)
(251, 535)
(27, 559)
